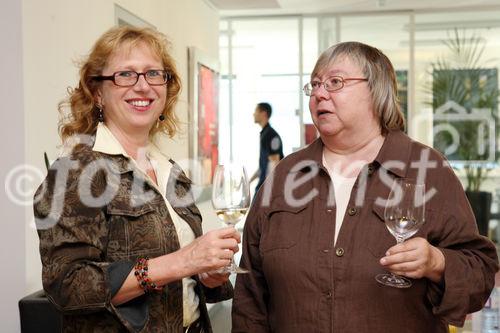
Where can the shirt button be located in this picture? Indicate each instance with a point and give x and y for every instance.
(328, 294)
(339, 252)
(371, 169)
(352, 211)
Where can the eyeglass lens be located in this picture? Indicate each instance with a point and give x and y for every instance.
(130, 78)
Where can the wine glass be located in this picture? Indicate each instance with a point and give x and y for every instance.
(230, 199)
(403, 215)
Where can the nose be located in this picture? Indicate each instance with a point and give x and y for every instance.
(321, 92)
(141, 83)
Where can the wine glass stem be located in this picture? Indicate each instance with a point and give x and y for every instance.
(399, 240)
(232, 265)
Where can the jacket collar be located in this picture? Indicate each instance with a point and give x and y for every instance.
(106, 143)
(396, 147)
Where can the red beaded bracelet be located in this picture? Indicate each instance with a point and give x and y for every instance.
(141, 274)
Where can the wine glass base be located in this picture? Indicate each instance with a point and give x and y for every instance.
(239, 270)
(232, 269)
(392, 280)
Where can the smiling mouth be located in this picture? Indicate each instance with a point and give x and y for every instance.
(140, 103)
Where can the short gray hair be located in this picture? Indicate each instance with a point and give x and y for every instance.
(379, 71)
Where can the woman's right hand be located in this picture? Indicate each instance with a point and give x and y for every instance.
(211, 251)
(206, 253)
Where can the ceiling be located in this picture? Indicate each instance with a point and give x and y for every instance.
(288, 7)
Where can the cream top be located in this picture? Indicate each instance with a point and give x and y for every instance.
(342, 187)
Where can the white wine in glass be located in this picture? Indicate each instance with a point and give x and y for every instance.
(404, 215)
(231, 199)
(231, 216)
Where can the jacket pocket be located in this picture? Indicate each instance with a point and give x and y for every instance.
(134, 231)
(283, 227)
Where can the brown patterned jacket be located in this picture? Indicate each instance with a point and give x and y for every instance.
(93, 223)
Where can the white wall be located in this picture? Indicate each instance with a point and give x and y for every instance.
(56, 34)
(12, 280)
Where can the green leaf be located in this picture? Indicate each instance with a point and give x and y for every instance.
(46, 158)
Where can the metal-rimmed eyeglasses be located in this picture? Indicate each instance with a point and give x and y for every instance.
(155, 77)
(331, 84)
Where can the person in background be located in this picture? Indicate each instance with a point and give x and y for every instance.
(315, 240)
(120, 236)
(271, 146)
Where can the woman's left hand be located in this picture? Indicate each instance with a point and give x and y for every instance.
(213, 279)
(415, 258)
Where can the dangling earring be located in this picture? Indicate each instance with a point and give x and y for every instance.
(162, 117)
(100, 114)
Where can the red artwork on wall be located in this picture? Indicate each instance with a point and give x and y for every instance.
(310, 132)
(208, 129)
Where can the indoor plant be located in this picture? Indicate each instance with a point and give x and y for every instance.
(463, 81)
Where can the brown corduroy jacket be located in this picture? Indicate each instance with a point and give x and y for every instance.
(301, 281)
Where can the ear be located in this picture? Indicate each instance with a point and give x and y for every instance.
(98, 96)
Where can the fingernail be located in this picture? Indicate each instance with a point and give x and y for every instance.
(387, 253)
(382, 261)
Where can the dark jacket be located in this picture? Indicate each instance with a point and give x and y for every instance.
(300, 281)
(93, 224)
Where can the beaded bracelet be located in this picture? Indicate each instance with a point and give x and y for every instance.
(141, 274)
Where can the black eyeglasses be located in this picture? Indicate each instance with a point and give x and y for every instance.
(155, 77)
(331, 84)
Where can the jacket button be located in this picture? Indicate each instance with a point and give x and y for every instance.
(328, 294)
(371, 169)
(339, 252)
(329, 210)
(352, 211)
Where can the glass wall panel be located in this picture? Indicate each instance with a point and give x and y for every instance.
(457, 81)
(327, 32)
(310, 53)
(310, 43)
(224, 46)
(390, 34)
(455, 89)
(224, 123)
(265, 68)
